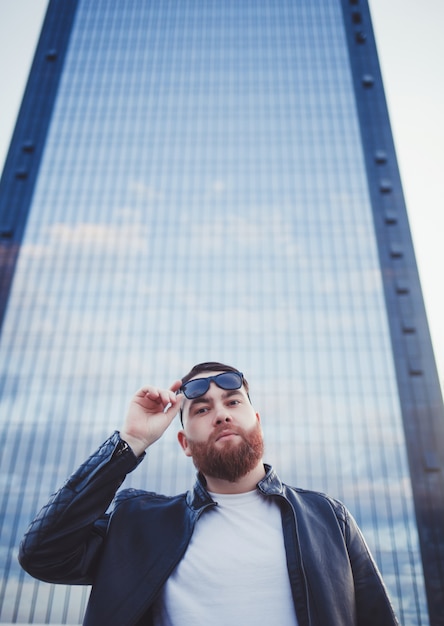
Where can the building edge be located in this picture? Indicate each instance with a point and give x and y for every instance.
(417, 377)
(28, 140)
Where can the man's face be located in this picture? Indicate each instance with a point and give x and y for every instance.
(222, 432)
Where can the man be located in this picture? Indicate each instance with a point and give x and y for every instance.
(241, 548)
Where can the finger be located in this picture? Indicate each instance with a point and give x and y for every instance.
(148, 391)
(176, 385)
(162, 397)
(165, 397)
(173, 395)
(156, 395)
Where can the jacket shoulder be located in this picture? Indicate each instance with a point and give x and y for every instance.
(319, 500)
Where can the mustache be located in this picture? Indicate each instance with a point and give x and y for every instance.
(225, 428)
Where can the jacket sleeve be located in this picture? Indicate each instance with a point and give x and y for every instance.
(373, 604)
(63, 542)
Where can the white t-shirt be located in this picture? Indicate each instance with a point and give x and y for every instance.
(234, 570)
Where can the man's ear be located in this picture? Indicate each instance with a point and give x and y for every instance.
(183, 441)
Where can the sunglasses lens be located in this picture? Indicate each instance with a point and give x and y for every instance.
(195, 388)
(229, 380)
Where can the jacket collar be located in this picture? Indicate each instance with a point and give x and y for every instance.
(271, 484)
(199, 497)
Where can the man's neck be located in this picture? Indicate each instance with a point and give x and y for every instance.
(244, 484)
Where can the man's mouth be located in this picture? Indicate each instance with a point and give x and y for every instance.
(226, 433)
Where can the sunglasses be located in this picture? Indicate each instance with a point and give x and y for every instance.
(199, 386)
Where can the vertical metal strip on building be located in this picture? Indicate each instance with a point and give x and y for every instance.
(419, 389)
(23, 159)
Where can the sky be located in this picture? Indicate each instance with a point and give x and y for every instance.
(411, 49)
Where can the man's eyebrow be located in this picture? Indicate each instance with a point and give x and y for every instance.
(199, 400)
(232, 392)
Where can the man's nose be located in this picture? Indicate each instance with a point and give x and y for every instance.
(222, 414)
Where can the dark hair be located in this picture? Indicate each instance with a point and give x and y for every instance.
(211, 366)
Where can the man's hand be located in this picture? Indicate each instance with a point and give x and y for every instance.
(150, 412)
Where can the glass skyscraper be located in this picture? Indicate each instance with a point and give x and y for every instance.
(195, 180)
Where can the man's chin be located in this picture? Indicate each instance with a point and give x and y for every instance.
(231, 456)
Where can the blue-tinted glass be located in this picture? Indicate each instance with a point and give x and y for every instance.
(203, 196)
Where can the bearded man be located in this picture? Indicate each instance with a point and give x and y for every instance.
(241, 548)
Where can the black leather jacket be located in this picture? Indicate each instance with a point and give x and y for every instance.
(128, 554)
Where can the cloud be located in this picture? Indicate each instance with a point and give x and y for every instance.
(106, 238)
(64, 244)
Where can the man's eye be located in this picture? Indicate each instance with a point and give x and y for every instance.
(201, 411)
(234, 402)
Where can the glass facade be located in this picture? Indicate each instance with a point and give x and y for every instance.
(203, 195)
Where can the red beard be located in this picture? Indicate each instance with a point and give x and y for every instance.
(233, 459)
